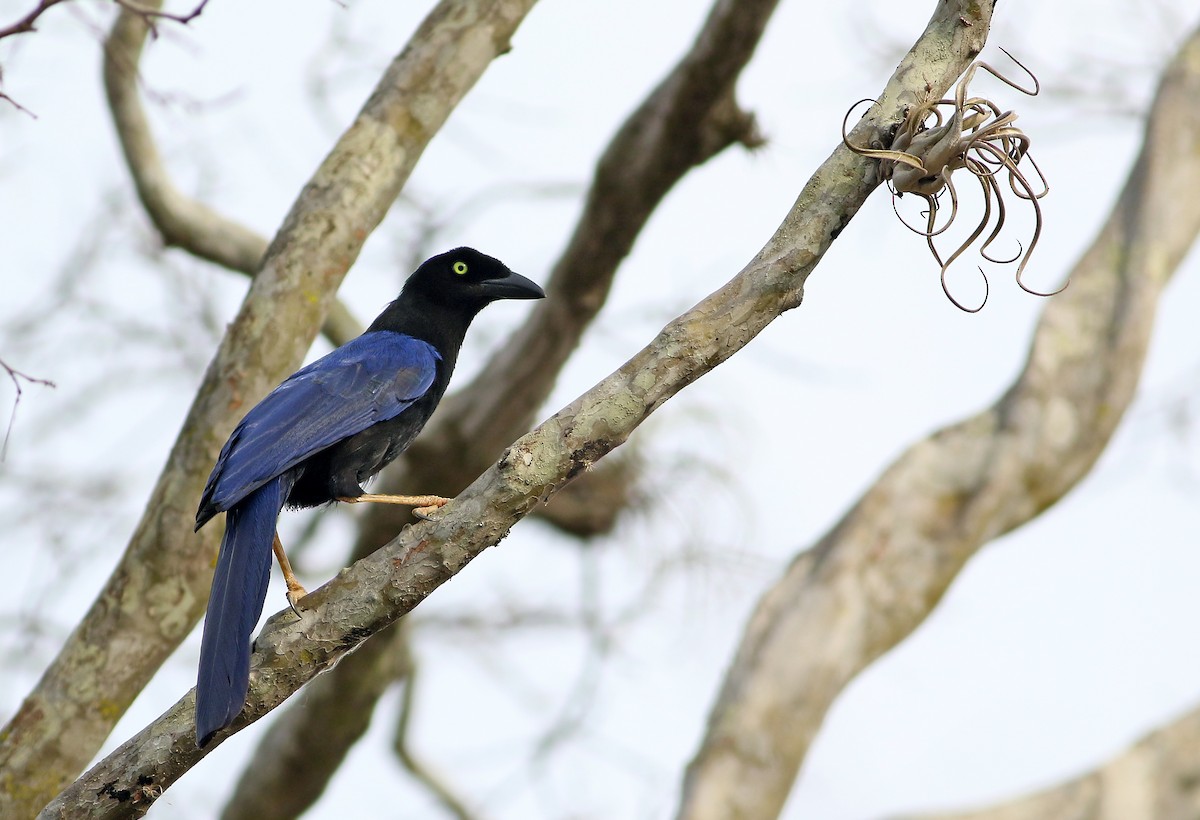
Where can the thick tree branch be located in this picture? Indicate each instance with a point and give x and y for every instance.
(157, 592)
(689, 118)
(595, 500)
(877, 574)
(376, 591)
(181, 221)
(1153, 780)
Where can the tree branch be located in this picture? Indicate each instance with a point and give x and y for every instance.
(153, 9)
(147, 11)
(181, 221)
(689, 118)
(157, 592)
(594, 501)
(374, 592)
(1155, 779)
(879, 572)
(29, 21)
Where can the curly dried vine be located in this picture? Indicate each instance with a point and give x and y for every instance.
(940, 137)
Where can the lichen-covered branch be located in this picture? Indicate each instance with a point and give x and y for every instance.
(181, 221)
(157, 592)
(377, 590)
(689, 118)
(879, 572)
(1155, 779)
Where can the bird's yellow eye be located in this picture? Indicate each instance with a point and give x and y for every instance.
(459, 267)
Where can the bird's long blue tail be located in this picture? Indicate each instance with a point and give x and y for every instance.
(238, 590)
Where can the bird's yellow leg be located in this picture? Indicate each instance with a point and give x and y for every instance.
(294, 590)
(424, 504)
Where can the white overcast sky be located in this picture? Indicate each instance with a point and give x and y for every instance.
(1058, 645)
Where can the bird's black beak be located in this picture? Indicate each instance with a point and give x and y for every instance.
(513, 286)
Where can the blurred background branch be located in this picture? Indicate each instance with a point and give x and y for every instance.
(880, 571)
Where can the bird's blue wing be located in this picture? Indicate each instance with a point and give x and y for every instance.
(370, 379)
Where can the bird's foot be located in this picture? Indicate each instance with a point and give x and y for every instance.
(295, 593)
(423, 513)
(406, 501)
(294, 590)
(423, 504)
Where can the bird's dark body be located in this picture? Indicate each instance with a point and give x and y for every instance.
(318, 436)
(341, 470)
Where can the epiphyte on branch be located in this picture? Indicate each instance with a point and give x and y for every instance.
(940, 137)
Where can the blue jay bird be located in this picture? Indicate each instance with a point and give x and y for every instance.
(317, 437)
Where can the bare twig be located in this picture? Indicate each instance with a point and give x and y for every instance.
(16, 105)
(17, 376)
(27, 23)
(151, 12)
(147, 11)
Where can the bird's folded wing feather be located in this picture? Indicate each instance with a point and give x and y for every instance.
(370, 379)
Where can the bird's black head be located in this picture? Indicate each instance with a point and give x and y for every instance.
(466, 278)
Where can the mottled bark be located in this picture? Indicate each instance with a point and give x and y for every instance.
(879, 572)
(157, 592)
(377, 590)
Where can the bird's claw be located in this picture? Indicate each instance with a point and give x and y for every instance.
(294, 595)
(423, 513)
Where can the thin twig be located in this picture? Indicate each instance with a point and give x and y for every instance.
(16, 376)
(26, 23)
(16, 104)
(13, 102)
(147, 12)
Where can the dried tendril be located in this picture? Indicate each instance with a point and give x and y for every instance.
(974, 133)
